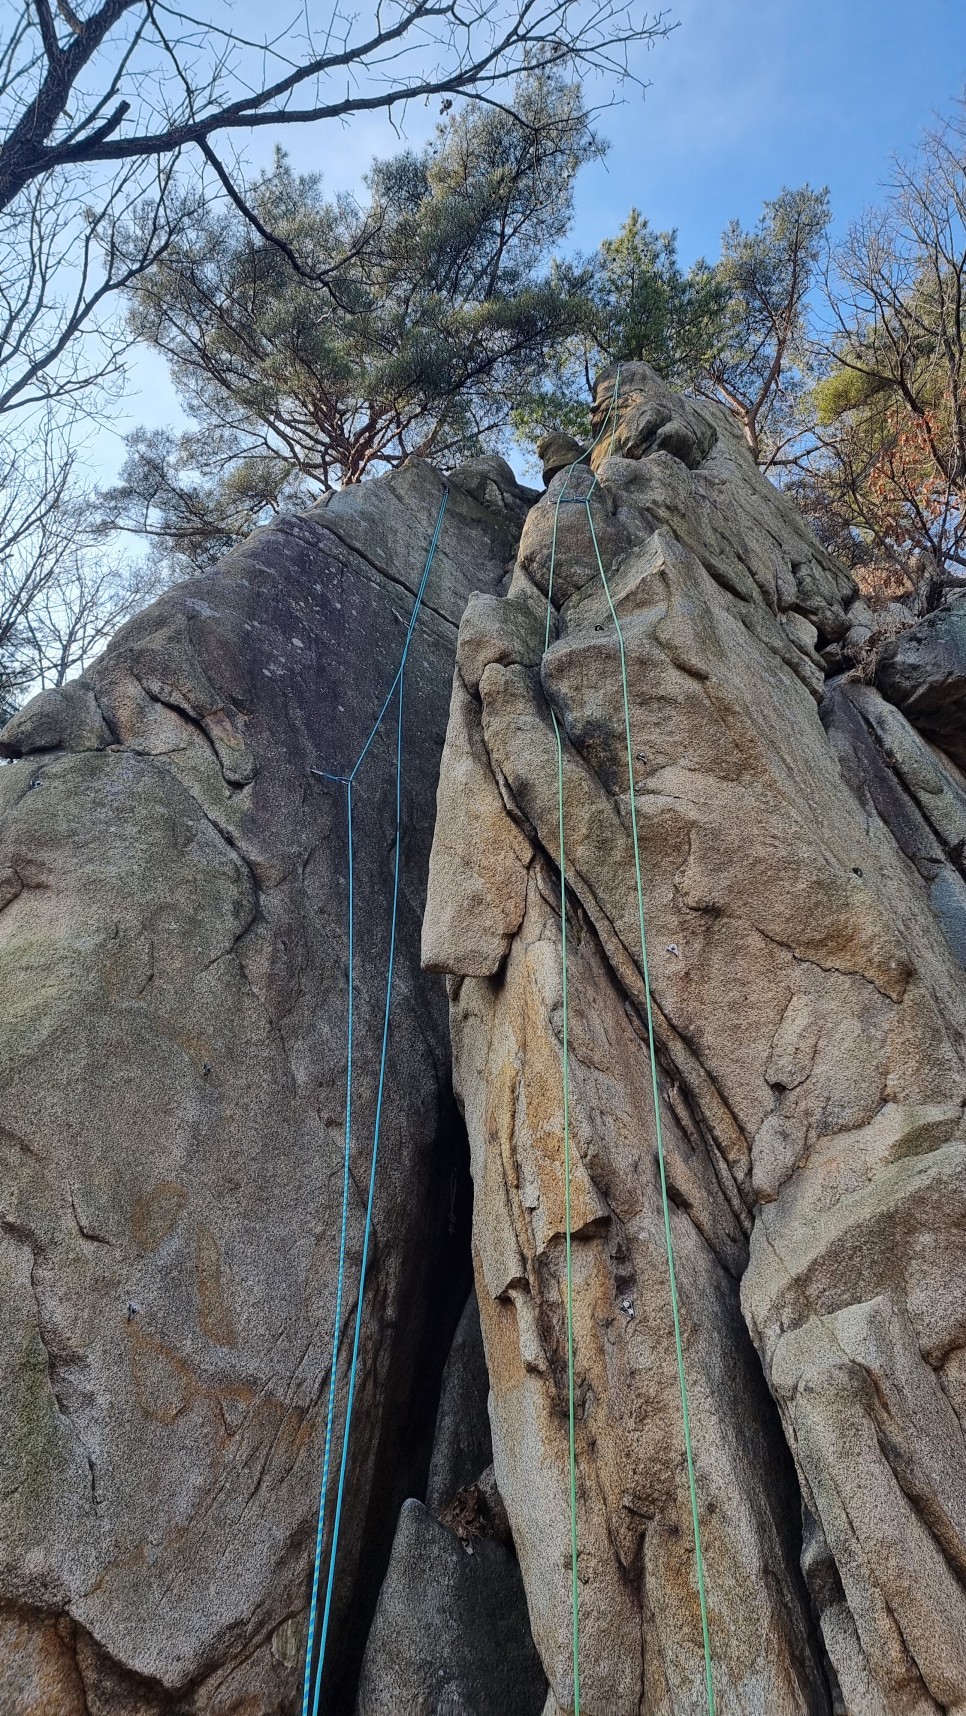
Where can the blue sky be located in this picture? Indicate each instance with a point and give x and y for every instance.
(750, 95)
(745, 96)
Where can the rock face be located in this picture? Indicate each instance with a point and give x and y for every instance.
(172, 1068)
(173, 953)
(924, 672)
(462, 1444)
(802, 888)
(917, 792)
(451, 1635)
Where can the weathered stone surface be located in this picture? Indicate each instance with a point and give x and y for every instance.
(172, 1065)
(484, 863)
(556, 452)
(565, 524)
(172, 1058)
(917, 792)
(63, 720)
(810, 1016)
(696, 476)
(462, 1444)
(924, 672)
(450, 1637)
(451, 1632)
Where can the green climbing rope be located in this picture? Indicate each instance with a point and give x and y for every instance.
(585, 500)
(568, 1225)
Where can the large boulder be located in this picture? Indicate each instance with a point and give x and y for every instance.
(462, 1444)
(810, 1019)
(173, 893)
(450, 1636)
(923, 671)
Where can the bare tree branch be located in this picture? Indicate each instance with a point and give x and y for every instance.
(468, 47)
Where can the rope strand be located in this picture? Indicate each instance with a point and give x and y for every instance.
(340, 1282)
(563, 498)
(312, 1684)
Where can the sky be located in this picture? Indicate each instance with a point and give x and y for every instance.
(744, 97)
(749, 95)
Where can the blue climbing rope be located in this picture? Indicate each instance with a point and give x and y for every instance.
(312, 1684)
(340, 1283)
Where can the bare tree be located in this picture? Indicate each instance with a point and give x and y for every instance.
(106, 107)
(138, 79)
(98, 105)
(66, 251)
(75, 614)
(61, 590)
(890, 438)
(99, 102)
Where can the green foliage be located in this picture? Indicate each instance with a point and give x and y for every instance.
(842, 389)
(735, 330)
(636, 304)
(761, 366)
(648, 309)
(369, 333)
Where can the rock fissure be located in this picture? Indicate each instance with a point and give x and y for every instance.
(887, 989)
(383, 572)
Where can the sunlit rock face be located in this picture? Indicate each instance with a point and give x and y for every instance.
(802, 856)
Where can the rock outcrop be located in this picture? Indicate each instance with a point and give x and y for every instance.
(924, 672)
(172, 1068)
(450, 1637)
(810, 1011)
(173, 888)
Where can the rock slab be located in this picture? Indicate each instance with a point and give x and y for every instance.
(173, 968)
(450, 1637)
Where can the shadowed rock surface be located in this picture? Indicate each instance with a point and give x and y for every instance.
(805, 940)
(450, 1637)
(462, 1444)
(924, 673)
(172, 1067)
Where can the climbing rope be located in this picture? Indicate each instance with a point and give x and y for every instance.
(564, 499)
(312, 1684)
(568, 1225)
